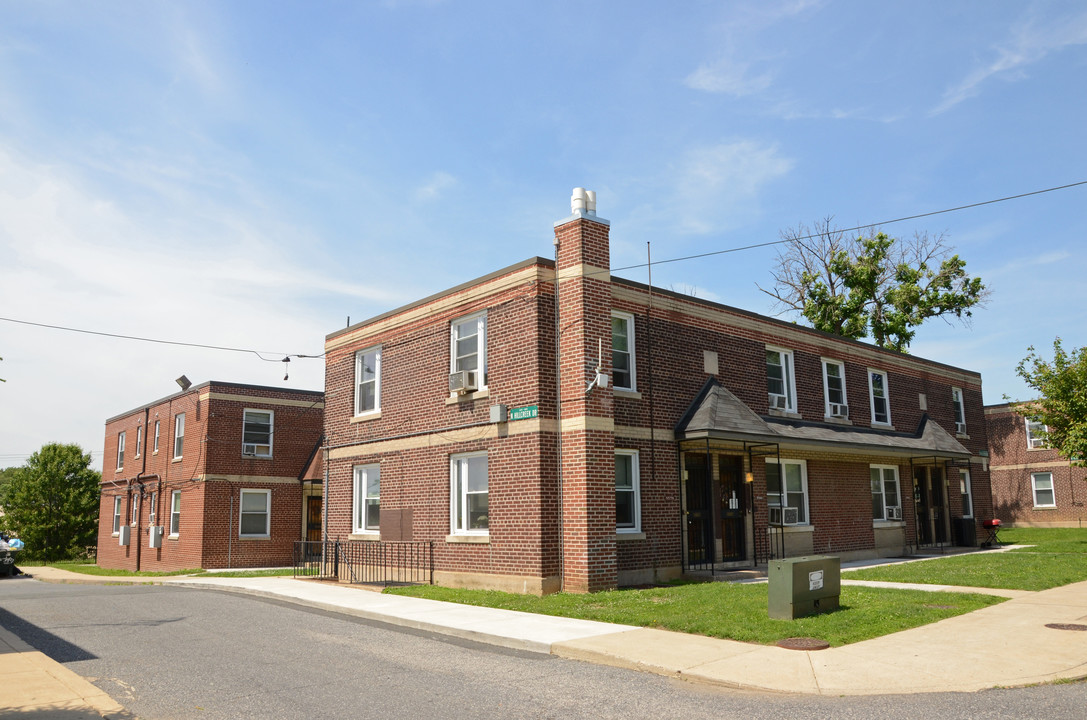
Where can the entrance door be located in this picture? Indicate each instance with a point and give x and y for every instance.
(930, 499)
(699, 510)
(313, 518)
(733, 508)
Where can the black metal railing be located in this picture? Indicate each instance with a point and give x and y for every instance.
(369, 562)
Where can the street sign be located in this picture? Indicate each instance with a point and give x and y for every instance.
(525, 413)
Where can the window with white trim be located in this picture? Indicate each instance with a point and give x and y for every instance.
(879, 397)
(468, 483)
(367, 499)
(179, 434)
(258, 427)
(779, 379)
(139, 439)
(368, 381)
(886, 495)
(134, 508)
(1042, 485)
(117, 515)
(787, 491)
(834, 389)
(967, 492)
(120, 450)
(175, 513)
(468, 347)
(960, 411)
(623, 371)
(152, 516)
(255, 513)
(1035, 434)
(628, 505)
(156, 436)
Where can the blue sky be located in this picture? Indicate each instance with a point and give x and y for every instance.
(251, 174)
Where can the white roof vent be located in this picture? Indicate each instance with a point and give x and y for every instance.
(583, 202)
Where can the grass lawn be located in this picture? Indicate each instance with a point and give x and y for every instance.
(1058, 557)
(727, 610)
(88, 569)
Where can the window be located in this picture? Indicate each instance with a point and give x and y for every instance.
(179, 434)
(175, 513)
(967, 493)
(156, 436)
(120, 450)
(153, 516)
(886, 501)
(960, 411)
(779, 379)
(468, 479)
(627, 492)
(789, 504)
(257, 433)
(1035, 434)
(468, 347)
(622, 351)
(368, 381)
(367, 499)
(117, 515)
(877, 392)
(134, 508)
(139, 439)
(256, 513)
(834, 388)
(1043, 490)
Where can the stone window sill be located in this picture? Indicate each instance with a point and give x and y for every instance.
(629, 536)
(468, 397)
(468, 539)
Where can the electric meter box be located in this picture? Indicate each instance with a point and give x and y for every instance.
(803, 586)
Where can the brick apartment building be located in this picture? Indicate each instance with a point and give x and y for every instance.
(1033, 485)
(218, 475)
(658, 434)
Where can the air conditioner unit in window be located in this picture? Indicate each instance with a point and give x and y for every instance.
(784, 516)
(1037, 442)
(894, 513)
(960, 428)
(463, 381)
(256, 450)
(839, 410)
(778, 402)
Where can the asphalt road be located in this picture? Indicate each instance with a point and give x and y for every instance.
(171, 652)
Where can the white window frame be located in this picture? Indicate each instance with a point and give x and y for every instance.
(886, 397)
(803, 464)
(175, 513)
(152, 516)
(271, 433)
(788, 373)
(156, 437)
(139, 439)
(966, 489)
(458, 494)
(635, 491)
(121, 450)
(117, 503)
(481, 346)
(827, 402)
(628, 321)
(134, 508)
(179, 435)
(1034, 478)
(359, 356)
(959, 406)
(885, 505)
(362, 499)
(267, 512)
(1035, 443)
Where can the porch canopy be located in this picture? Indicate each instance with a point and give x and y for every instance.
(718, 415)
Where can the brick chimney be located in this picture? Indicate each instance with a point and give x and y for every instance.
(587, 424)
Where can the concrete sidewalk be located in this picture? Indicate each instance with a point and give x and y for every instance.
(1002, 645)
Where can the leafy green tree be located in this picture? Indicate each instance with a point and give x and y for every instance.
(875, 286)
(51, 502)
(5, 477)
(1061, 385)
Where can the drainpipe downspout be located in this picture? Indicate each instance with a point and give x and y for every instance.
(230, 526)
(558, 418)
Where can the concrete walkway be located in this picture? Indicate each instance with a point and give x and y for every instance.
(1002, 645)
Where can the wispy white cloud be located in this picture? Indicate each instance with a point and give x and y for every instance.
(1031, 41)
(729, 77)
(435, 186)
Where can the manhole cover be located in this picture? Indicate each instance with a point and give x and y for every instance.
(803, 644)
(1066, 626)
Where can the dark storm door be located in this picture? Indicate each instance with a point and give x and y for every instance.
(733, 508)
(699, 514)
(922, 504)
(313, 518)
(939, 505)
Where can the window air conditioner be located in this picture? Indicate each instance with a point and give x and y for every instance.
(123, 535)
(255, 450)
(463, 381)
(894, 513)
(778, 402)
(1037, 442)
(790, 515)
(839, 410)
(960, 428)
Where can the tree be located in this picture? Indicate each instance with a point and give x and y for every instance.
(1062, 399)
(51, 502)
(876, 286)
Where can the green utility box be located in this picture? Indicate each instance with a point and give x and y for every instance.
(803, 586)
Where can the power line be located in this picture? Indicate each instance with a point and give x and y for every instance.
(258, 353)
(858, 227)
